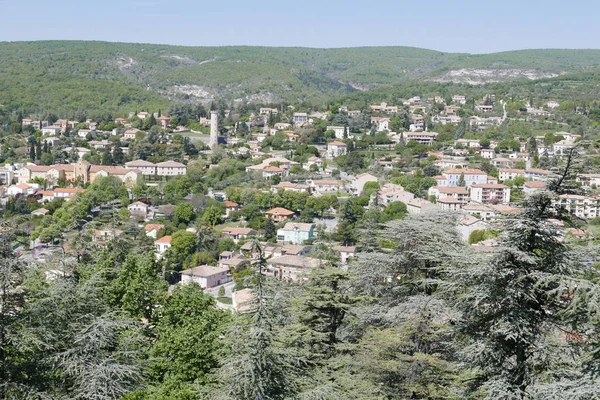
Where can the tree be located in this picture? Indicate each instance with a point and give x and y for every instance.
(212, 216)
(394, 210)
(183, 243)
(256, 367)
(461, 180)
(532, 285)
(184, 212)
(187, 344)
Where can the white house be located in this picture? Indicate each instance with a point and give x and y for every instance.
(170, 168)
(162, 245)
(490, 193)
(336, 149)
(296, 233)
(471, 176)
(146, 167)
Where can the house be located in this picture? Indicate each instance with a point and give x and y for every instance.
(279, 214)
(290, 267)
(458, 193)
(381, 124)
(146, 167)
(296, 233)
(51, 141)
(232, 260)
(383, 107)
(52, 130)
(21, 189)
(460, 99)
(359, 182)
(313, 161)
(325, 186)
(468, 224)
(487, 153)
(580, 206)
(390, 193)
(100, 144)
(420, 206)
(533, 186)
(345, 252)
(79, 151)
(164, 121)
(271, 170)
(162, 245)
(425, 138)
(340, 131)
(130, 134)
(481, 211)
(66, 193)
(490, 193)
(589, 180)
(153, 229)
(105, 235)
(505, 174)
(170, 168)
(230, 207)
(470, 143)
(205, 276)
(469, 175)
(300, 119)
(536, 174)
(291, 249)
(294, 187)
(336, 149)
(448, 203)
(242, 299)
(503, 162)
(237, 233)
(138, 209)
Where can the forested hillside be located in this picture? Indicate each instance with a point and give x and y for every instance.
(71, 75)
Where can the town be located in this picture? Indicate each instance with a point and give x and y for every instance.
(182, 219)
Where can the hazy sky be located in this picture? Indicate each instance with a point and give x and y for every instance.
(453, 26)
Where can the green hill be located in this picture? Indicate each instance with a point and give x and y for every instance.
(62, 76)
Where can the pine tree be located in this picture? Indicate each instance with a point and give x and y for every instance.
(257, 367)
(517, 304)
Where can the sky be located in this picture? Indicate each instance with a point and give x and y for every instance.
(464, 26)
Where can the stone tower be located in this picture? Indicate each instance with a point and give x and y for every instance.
(214, 130)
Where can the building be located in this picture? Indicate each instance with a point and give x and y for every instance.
(346, 253)
(536, 174)
(586, 180)
(294, 187)
(340, 131)
(460, 99)
(326, 186)
(580, 206)
(162, 245)
(533, 186)
(289, 267)
(448, 204)
(336, 149)
(164, 121)
(490, 193)
(390, 193)
(205, 276)
(300, 119)
(470, 176)
(420, 206)
(468, 224)
(296, 233)
(237, 234)
(381, 124)
(279, 214)
(358, 184)
(459, 193)
(170, 168)
(505, 174)
(138, 209)
(147, 168)
(152, 230)
(214, 130)
(425, 138)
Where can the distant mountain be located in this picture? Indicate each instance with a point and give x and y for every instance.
(75, 75)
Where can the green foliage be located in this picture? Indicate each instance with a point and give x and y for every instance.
(187, 342)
